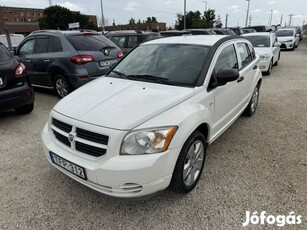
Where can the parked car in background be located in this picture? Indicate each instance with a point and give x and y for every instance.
(200, 32)
(288, 38)
(223, 31)
(66, 60)
(237, 30)
(260, 28)
(298, 31)
(247, 31)
(128, 39)
(15, 88)
(16, 39)
(173, 33)
(145, 126)
(267, 47)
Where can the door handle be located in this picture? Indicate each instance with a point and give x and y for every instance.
(255, 67)
(27, 61)
(240, 79)
(46, 60)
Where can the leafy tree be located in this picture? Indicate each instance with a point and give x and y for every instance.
(151, 20)
(209, 18)
(218, 23)
(131, 21)
(194, 19)
(58, 17)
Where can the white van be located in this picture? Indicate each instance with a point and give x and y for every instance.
(16, 39)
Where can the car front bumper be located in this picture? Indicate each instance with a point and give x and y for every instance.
(287, 45)
(116, 175)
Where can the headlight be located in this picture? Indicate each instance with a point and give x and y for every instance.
(147, 141)
(264, 56)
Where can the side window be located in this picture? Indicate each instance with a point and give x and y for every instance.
(227, 59)
(119, 41)
(42, 45)
(27, 47)
(132, 41)
(54, 44)
(252, 52)
(244, 54)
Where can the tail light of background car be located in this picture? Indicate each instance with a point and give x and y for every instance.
(21, 70)
(120, 54)
(82, 59)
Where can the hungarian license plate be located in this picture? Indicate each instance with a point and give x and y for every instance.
(67, 165)
(104, 63)
(1, 81)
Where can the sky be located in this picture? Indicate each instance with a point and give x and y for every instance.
(165, 10)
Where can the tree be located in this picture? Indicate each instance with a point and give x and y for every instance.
(58, 17)
(131, 21)
(218, 23)
(151, 20)
(209, 18)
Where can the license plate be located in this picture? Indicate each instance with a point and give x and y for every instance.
(67, 165)
(1, 81)
(104, 63)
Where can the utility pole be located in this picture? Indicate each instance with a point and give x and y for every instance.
(206, 2)
(271, 17)
(102, 17)
(290, 22)
(247, 13)
(226, 21)
(250, 20)
(50, 3)
(281, 17)
(184, 15)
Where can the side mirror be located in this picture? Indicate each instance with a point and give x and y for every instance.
(227, 75)
(297, 35)
(277, 44)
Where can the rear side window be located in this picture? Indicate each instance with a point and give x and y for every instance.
(119, 41)
(89, 42)
(55, 45)
(227, 59)
(42, 45)
(218, 32)
(244, 54)
(132, 41)
(5, 55)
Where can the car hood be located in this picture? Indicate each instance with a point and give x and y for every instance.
(283, 39)
(262, 50)
(120, 104)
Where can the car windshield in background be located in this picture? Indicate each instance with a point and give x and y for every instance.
(284, 33)
(259, 41)
(5, 55)
(176, 64)
(151, 37)
(89, 42)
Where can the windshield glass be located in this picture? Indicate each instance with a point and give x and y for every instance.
(284, 33)
(178, 64)
(259, 41)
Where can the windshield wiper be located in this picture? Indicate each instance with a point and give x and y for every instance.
(150, 78)
(120, 74)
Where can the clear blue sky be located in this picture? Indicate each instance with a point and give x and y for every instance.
(165, 10)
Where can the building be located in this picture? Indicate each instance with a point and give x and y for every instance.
(138, 26)
(24, 20)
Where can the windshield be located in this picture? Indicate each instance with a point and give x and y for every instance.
(284, 33)
(177, 64)
(259, 41)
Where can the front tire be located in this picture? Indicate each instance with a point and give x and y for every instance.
(190, 164)
(276, 63)
(62, 86)
(270, 68)
(252, 105)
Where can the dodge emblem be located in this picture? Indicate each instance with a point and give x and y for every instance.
(71, 137)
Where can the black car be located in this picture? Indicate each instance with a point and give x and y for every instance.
(15, 88)
(237, 30)
(66, 60)
(224, 31)
(200, 32)
(258, 28)
(174, 33)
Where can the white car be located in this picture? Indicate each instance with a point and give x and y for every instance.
(288, 38)
(267, 47)
(145, 125)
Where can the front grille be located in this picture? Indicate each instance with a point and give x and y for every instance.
(61, 125)
(62, 138)
(91, 136)
(87, 142)
(91, 150)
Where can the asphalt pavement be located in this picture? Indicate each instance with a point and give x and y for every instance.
(259, 164)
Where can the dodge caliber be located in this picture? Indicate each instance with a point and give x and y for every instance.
(145, 125)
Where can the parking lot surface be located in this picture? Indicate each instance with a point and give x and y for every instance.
(259, 164)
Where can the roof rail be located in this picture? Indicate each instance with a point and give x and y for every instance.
(40, 31)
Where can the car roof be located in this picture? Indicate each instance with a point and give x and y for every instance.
(130, 32)
(195, 40)
(258, 34)
(64, 32)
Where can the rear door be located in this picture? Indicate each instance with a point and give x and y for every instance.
(25, 54)
(102, 49)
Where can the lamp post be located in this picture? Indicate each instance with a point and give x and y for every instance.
(247, 13)
(184, 15)
(206, 7)
(271, 18)
(102, 17)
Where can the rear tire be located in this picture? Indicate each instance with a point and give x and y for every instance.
(25, 109)
(190, 164)
(62, 86)
(252, 105)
